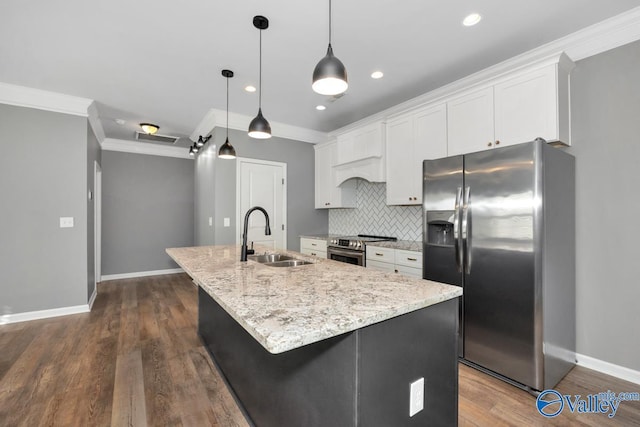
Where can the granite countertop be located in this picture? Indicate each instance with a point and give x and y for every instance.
(287, 308)
(405, 245)
(320, 236)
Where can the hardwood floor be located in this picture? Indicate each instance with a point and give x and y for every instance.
(136, 360)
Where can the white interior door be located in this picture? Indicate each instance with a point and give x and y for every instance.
(262, 183)
(97, 221)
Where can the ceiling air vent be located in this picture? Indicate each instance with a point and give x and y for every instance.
(164, 139)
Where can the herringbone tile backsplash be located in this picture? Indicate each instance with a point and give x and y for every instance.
(373, 216)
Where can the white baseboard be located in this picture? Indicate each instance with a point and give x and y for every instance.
(140, 274)
(608, 368)
(44, 314)
(93, 297)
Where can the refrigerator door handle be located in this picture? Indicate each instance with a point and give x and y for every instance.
(466, 240)
(456, 229)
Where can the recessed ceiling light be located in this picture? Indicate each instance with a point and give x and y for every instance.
(471, 19)
(250, 88)
(377, 75)
(320, 107)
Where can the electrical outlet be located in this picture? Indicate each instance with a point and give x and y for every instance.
(210, 221)
(416, 397)
(66, 222)
(227, 222)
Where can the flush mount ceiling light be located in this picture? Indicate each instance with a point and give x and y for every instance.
(471, 19)
(226, 150)
(377, 75)
(149, 128)
(259, 127)
(330, 75)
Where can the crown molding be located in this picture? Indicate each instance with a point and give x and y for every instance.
(217, 118)
(23, 96)
(125, 146)
(597, 38)
(96, 124)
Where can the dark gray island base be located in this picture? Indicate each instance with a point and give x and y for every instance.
(359, 378)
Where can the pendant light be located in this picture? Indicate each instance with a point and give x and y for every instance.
(226, 150)
(330, 75)
(259, 127)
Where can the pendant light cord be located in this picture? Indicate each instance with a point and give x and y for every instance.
(227, 108)
(260, 95)
(329, 22)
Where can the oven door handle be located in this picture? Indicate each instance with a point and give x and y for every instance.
(346, 252)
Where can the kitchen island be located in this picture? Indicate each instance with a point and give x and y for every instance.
(328, 343)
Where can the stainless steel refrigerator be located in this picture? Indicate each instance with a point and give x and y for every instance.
(500, 223)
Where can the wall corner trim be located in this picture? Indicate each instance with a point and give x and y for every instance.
(217, 118)
(22, 96)
(140, 274)
(92, 299)
(44, 314)
(617, 371)
(125, 146)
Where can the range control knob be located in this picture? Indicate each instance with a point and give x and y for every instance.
(359, 244)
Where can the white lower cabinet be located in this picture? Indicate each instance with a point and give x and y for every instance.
(315, 247)
(408, 263)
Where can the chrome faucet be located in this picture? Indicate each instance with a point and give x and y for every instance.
(267, 230)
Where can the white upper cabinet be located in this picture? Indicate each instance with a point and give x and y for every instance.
(327, 194)
(517, 108)
(530, 106)
(360, 154)
(412, 138)
(470, 122)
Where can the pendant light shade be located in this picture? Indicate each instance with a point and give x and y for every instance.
(330, 75)
(259, 127)
(226, 150)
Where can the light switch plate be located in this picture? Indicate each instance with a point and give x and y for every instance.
(227, 222)
(66, 222)
(210, 221)
(416, 397)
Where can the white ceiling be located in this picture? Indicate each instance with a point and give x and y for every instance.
(160, 61)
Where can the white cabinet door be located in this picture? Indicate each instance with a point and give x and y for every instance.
(526, 108)
(430, 142)
(411, 139)
(400, 158)
(470, 122)
(327, 194)
(323, 180)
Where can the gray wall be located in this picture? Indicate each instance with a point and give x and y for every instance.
(605, 108)
(94, 154)
(147, 206)
(302, 217)
(43, 170)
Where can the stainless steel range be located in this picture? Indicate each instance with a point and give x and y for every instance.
(352, 249)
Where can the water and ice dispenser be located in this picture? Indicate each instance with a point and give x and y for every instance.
(440, 228)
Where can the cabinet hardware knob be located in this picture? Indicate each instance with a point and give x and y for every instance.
(313, 253)
(489, 144)
(395, 271)
(497, 142)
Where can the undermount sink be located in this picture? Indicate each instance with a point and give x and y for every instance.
(288, 263)
(278, 260)
(267, 258)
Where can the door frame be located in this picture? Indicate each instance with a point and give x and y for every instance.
(239, 217)
(97, 221)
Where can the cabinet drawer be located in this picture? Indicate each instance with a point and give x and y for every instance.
(381, 254)
(409, 271)
(313, 252)
(314, 244)
(409, 258)
(382, 266)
